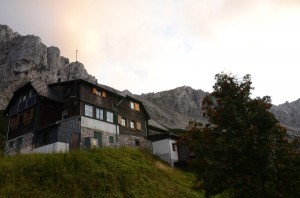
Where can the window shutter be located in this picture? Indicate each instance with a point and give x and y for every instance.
(17, 120)
(103, 94)
(26, 117)
(31, 113)
(138, 126)
(137, 106)
(119, 119)
(94, 90)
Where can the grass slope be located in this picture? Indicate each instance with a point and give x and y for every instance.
(105, 172)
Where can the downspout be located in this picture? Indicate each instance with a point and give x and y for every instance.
(36, 121)
(146, 127)
(147, 134)
(7, 133)
(117, 121)
(117, 139)
(170, 151)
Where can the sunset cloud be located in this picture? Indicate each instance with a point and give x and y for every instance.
(150, 46)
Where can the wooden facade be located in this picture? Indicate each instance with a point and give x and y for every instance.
(52, 106)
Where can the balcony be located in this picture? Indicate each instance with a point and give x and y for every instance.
(23, 105)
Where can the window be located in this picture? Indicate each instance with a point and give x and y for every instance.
(132, 124)
(99, 93)
(134, 106)
(99, 114)
(109, 117)
(138, 126)
(88, 110)
(123, 122)
(111, 139)
(174, 147)
(28, 115)
(14, 122)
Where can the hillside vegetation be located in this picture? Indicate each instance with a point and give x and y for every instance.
(105, 172)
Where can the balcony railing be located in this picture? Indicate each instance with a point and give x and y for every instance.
(23, 105)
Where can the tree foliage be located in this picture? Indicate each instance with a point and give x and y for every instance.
(242, 148)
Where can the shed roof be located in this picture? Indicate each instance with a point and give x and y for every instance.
(163, 136)
(156, 125)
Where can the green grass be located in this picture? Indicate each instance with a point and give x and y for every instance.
(105, 172)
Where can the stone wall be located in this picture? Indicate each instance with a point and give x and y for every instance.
(133, 141)
(119, 141)
(87, 132)
(12, 146)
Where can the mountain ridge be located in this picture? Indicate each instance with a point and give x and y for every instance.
(24, 58)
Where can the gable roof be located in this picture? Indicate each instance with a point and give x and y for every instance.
(108, 89)
(41, 89)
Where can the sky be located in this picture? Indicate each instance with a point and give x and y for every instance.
(156, 45)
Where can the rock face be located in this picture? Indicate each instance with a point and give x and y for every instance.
(23, 58)
(288, 115)
(176, 107)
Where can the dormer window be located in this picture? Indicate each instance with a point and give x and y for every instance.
(99, 93)
(134, 106)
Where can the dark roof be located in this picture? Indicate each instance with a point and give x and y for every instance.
(105, 87)
(163, 136)
(42, 89)
(155, 124)
(109, 89)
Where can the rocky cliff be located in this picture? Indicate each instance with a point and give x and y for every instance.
(176, 107)
(23, 58)
(288, 115)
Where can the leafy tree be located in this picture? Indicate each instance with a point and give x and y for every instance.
(242, 148)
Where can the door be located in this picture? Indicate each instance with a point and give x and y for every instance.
(74, 144)
(98, 136)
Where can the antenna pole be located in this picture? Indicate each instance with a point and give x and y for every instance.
(76, 55)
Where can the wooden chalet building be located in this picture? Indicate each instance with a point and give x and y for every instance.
(74, 114)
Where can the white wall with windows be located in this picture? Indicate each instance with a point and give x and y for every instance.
(99, 125)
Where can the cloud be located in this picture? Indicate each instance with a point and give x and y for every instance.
(147, 46)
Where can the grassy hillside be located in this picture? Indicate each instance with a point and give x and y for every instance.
(3, 130)
(95, 173)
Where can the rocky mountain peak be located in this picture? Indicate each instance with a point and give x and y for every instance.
(7, 34)
(288, 113)
(176, 107)
(24, 58)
